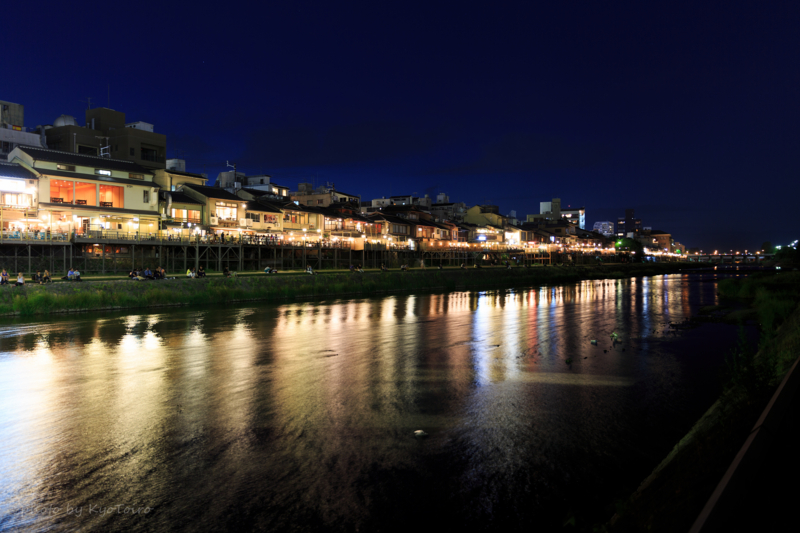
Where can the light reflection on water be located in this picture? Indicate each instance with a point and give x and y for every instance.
(301, 414)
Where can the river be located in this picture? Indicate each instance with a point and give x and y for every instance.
(300, 416)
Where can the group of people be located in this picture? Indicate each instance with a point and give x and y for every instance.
(356, 268)
(4, 279)
(40, 278)
(72, 275)
(197, 273)
(141, 275)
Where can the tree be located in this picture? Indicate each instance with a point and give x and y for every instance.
(632, 246)
(767, 247)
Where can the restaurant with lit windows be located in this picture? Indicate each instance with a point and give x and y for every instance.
(90, 195)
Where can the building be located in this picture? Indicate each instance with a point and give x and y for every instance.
(221, 211)
(375, 205)
(575, 215)
(660, 240)
(106, 133)
(553, 211)
(258, 185)
(13, 132)
(18, 199)
(423, 202)
(486, 215)
(394, 230)
(454, 211)
(322, 196)
(605, 228)
(83, 193)
(629, 226)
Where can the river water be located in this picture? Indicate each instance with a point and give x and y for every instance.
(300, 416)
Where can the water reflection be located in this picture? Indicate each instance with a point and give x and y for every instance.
(300, 414)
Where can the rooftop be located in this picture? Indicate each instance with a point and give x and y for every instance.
(212, 192)
(69, 158)
(13, 170)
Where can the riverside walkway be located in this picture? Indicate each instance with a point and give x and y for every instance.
(759, 490)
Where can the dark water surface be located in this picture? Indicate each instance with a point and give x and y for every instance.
(300, 416)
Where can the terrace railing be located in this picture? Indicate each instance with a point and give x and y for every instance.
(33, 236)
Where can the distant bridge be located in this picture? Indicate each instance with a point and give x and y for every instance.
(730, 258)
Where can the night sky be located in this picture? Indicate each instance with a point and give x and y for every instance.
(688, 115)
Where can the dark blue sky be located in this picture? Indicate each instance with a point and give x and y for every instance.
(687, 114)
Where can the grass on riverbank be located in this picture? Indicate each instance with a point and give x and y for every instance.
(124, 294)
(673, 495)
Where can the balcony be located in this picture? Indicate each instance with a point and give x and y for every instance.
(33, 236)
(185, 220)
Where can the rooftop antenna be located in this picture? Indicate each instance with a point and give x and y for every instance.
(234, 169)
(88, 102)
(105, 151)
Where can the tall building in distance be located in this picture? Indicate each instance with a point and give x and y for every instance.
(605, 228)
(629, 226)
(553, 211)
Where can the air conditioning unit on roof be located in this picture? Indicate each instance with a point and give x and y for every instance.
(243, 222)
(249, 223)
(214, 221)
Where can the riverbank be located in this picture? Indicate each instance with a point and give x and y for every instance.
(65, 297)
(671, 498)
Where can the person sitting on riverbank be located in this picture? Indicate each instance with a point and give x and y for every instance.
(309, 270)
(440, 267)
(383, 267)
(201, 272)
(226, 273)
(148, 274)
(189, 273)
(463, 266)
(270, 270)
(69, 275)
(76, 275)
(403, 268)
(20, 280)
(359, 269)
(46, 277)
(4, 277)
(37, 278)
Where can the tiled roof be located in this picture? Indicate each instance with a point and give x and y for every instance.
(69, 158)
(13, 170)
(262, 207)
(190, 174)
(180, 198)
(213, 192)
(389, 218)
